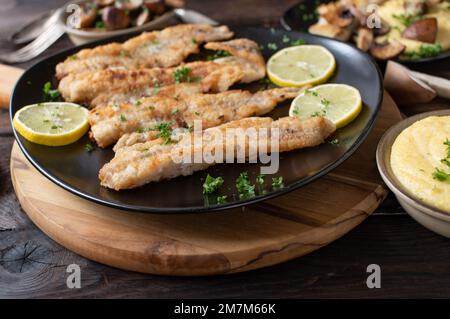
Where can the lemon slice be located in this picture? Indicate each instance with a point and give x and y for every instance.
(52, 124)
(340, 103)
(300, 65)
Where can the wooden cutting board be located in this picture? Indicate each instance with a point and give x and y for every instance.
(214, 243)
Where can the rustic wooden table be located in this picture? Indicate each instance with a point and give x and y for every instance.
(414, 261)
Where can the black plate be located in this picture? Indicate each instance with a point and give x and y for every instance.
(301, 16)
(76, 170)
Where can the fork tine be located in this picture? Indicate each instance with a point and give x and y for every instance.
(37, 46)
(37, 42)
(39, 49)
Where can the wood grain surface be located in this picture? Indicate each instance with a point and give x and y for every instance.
(242, 239)
(413, 260)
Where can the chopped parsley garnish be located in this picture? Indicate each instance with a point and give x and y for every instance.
(221, 199)
(122, 118)
(245, 189)
(155, 88)
(439, 174)
(313, 93)
(272, 46)
(175, 111)
(406, 19)
(297, 42)
(182, 75)
(315, 114)
(100, 25)
(425, 51)
(325, 102)
(277, 182)
(89, 147)
(212, 184)
(151, 107)
(194, 41)
(260, 179)
(285, 39)
(334, 141)
(46, 121)
(73, 57)
(139, 130)
(217, 55)
(137, 102)
(197, 113)
(165, 131)
(50, 95)
(295, 111)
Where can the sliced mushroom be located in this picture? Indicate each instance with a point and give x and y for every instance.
(129, 4)
(115, 18)
(387, 50)
(175, 3)
(424, 30)
(87, 16)
(336, 14)
(383, 29)
(364, 39)
(143, 17)
(414, 7)
(104, 3)
(155, 6)
(331, 31)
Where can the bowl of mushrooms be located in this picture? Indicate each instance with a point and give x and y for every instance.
(408, 31)
(89, 20)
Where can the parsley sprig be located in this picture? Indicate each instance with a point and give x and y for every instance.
(439, 174)
(50, 94)
(212, 184)
(244, 187)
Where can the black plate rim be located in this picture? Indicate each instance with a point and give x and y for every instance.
(442, 56)
(197, 209)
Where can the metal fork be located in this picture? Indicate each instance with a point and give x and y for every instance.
(33, 49)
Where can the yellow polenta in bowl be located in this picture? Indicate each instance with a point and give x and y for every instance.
(413, 158)
(421, 163)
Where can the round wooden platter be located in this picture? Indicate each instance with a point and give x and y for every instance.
(213, 243)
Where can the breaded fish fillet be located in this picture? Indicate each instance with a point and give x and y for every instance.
(109, 123)
(164, 48)
(245, 64)
(153, 161)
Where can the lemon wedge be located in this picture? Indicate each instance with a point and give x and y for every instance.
(300, 65)
(52, 123)
(340, 103)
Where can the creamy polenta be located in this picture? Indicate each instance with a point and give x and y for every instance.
(416, 154)
(392, 9)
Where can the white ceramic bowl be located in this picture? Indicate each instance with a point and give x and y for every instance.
(79, 36)
(431, 217)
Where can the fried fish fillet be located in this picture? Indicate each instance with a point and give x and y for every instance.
(153, 161)
(164, 48)
(109, 123)
(245, 64)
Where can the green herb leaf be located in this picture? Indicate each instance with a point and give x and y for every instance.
(165, 131)
(277, 182)
(221, 199)
(50, 95)
(181, 75)
(89, 147)
(212, 184)
(441, 175)
(272, 46)
(245, 189)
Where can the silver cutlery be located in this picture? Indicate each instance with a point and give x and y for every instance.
(47, 34)
(191, 16)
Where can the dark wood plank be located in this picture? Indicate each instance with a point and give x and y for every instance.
(414, 261)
